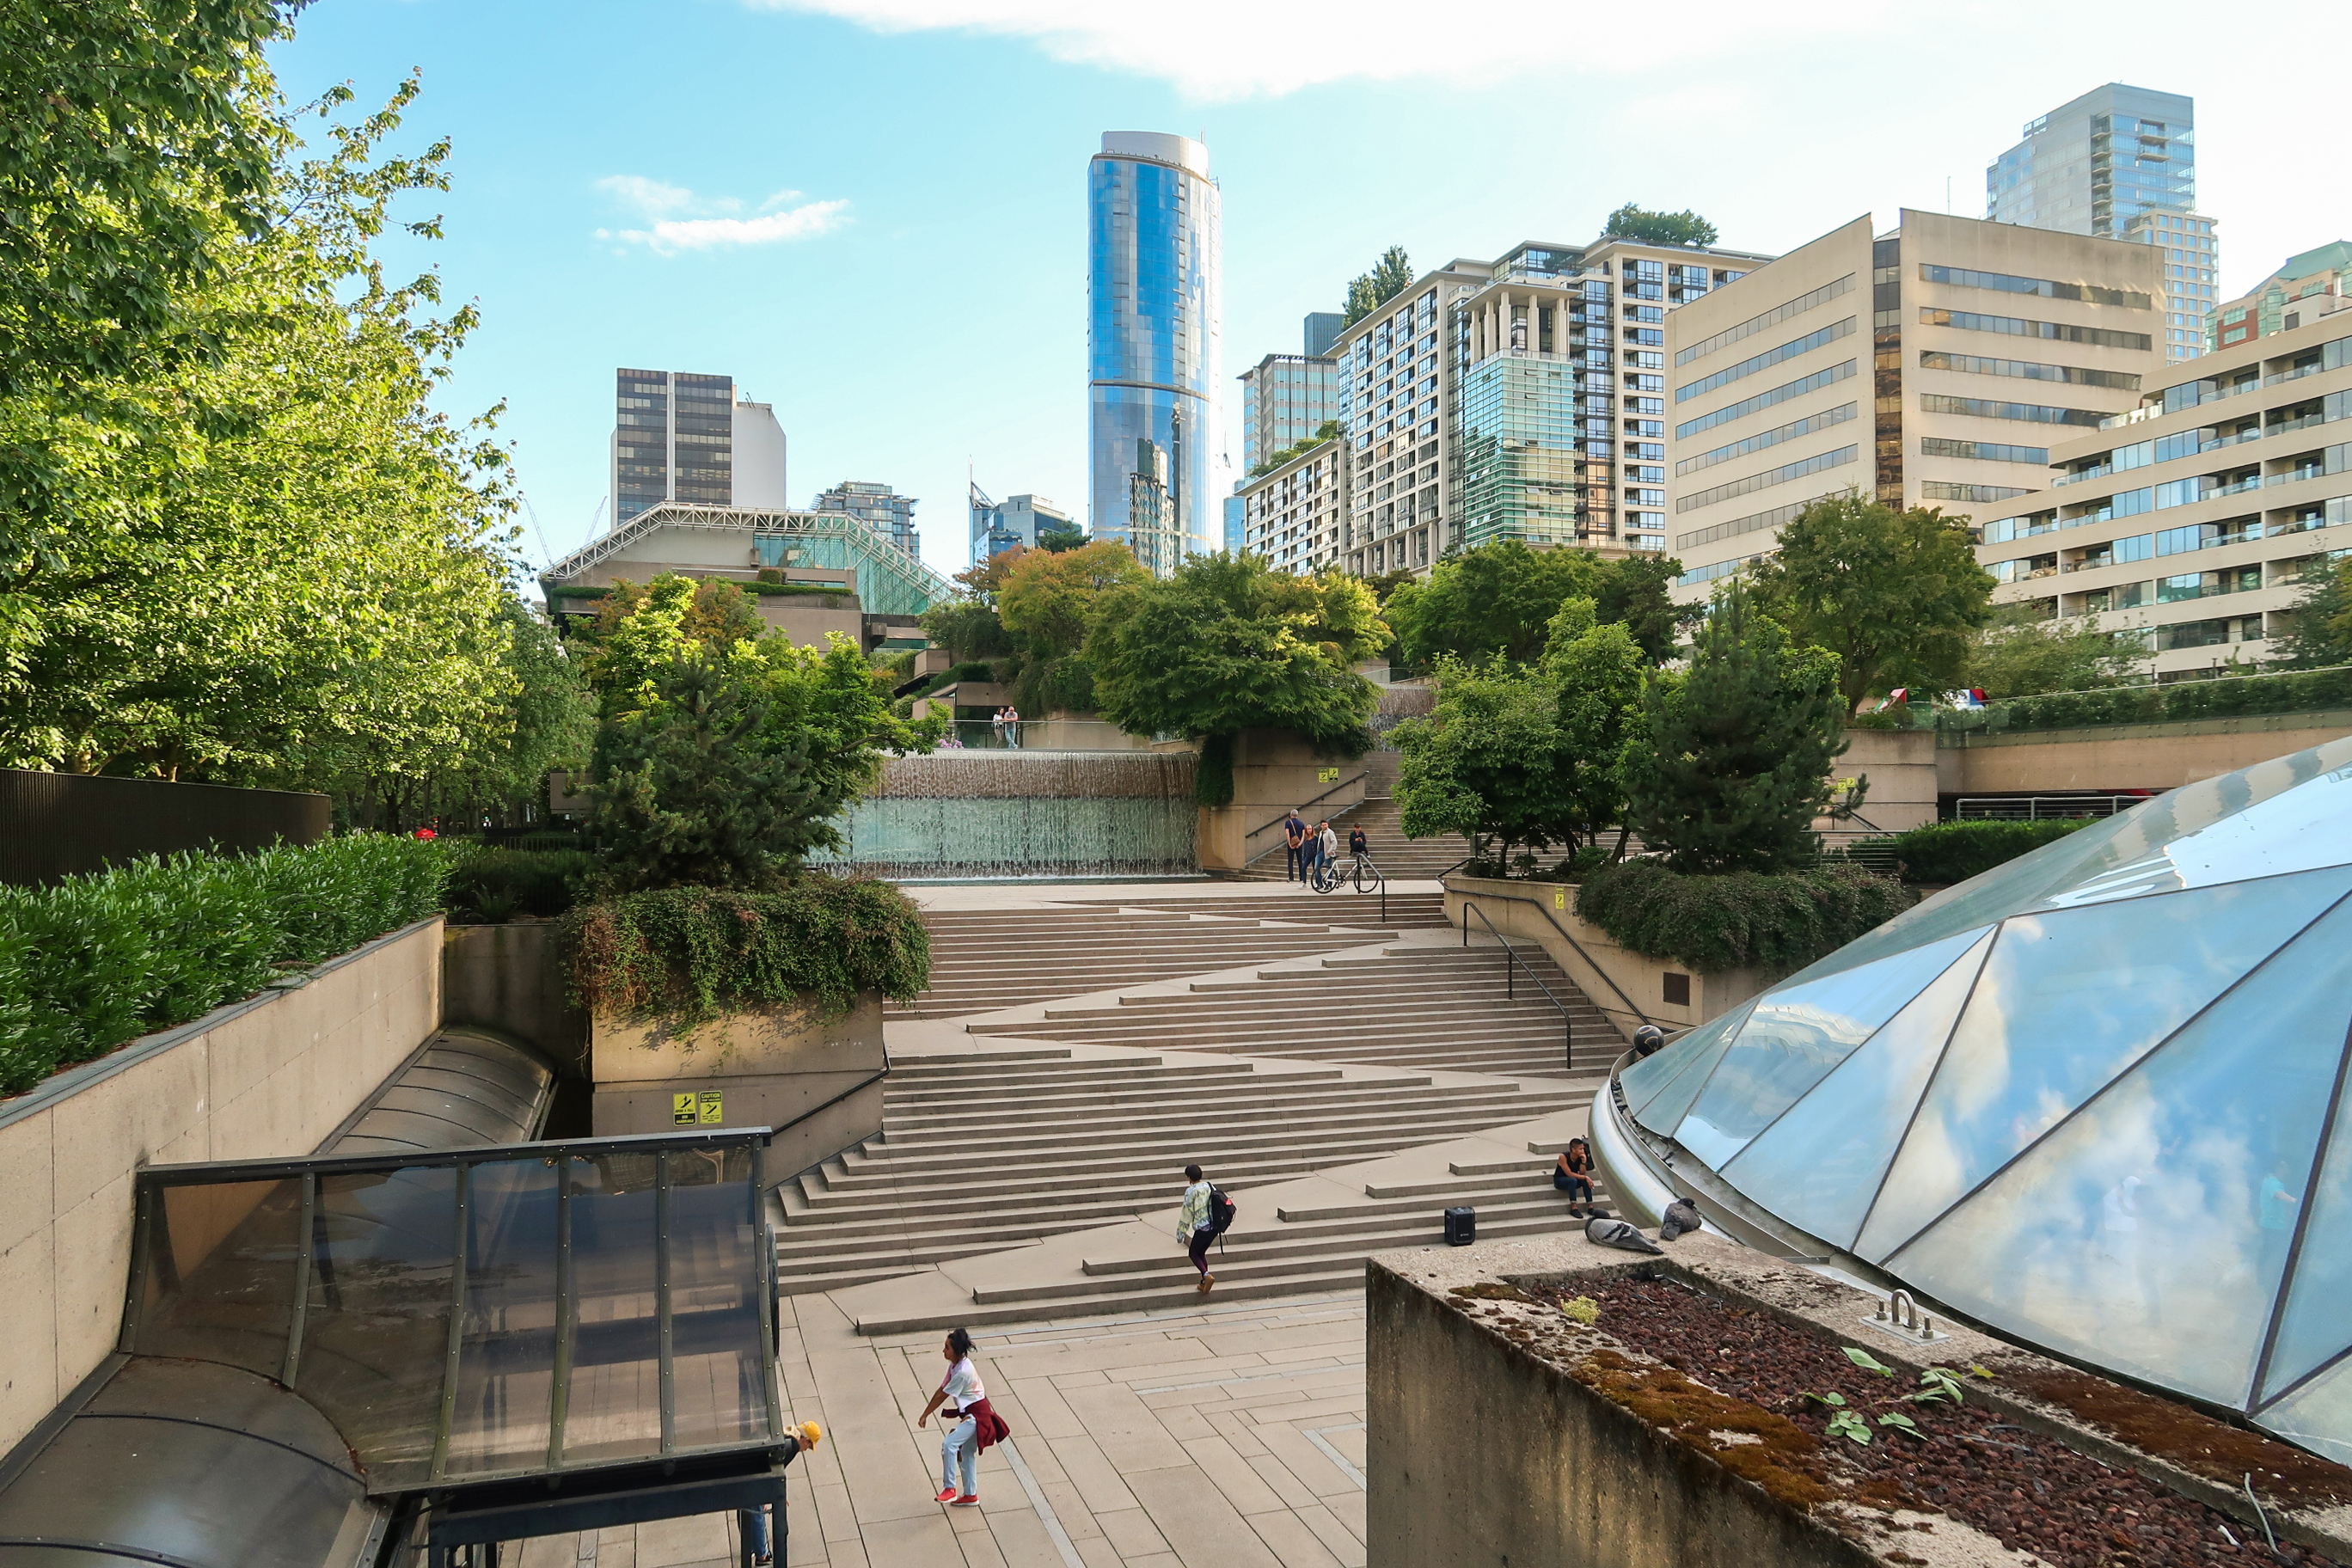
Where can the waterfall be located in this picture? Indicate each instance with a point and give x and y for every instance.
(1001, 814)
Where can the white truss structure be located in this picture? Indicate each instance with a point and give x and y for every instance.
(890, 581)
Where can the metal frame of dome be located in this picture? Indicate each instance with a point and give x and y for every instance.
(2095, 1100)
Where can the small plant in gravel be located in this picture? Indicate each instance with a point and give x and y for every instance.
(1582, 1309)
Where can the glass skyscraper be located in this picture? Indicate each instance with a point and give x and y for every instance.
(673, 439)
(2119, 162)
(1153, 360)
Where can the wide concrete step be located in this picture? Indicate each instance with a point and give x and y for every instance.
(1421, 1126)
(1165, 1298)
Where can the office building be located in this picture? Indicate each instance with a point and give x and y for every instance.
(1933, 365)
(2091, 165)
(685, 437)
(1521, 398)
(1154, 364)
(2190, 247)
(2314, 284)
(1323, 329)
(881, 508)
(2188, 522)
(2119, 162)
(1296, 514)
(1236, 523)
(1285, 398)
(1013, 523)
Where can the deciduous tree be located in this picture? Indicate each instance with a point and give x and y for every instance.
(1895, 595)
(2016, 654)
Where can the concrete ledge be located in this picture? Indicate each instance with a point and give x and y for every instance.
(272, 1075)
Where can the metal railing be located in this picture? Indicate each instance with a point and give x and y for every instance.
(1511, 956)
(1040, 735)
(1247, 856)
(2041, 808)
(1575, 946)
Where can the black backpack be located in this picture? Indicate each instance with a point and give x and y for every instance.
(1222, 1210)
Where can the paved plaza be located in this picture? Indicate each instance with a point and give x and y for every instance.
(1228, 1436)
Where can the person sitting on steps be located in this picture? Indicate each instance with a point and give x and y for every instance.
(1573, 1175)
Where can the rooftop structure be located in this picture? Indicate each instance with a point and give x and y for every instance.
(2095, 1099)
(2314, 284)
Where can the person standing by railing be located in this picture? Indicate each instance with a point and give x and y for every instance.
(1013, 727)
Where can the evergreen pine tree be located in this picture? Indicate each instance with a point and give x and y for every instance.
(1730, 763)
(696, 790)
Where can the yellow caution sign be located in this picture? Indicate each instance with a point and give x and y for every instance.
(681, 1110)
(713, 1107)
(1560, 898)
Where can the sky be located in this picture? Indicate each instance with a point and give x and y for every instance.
(872, 213)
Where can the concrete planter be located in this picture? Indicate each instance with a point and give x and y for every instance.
(271, 1075)
(1273, 771)
(1631, 988)
(764, 1068)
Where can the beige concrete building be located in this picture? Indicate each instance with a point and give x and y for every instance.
(1520, 399)
(1932, 365)
(2190, 519)
(1295, 515)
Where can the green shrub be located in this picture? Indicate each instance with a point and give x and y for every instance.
(97, 960)
(680, 958)
(495, 885)
(2228, 697)
(1955, 851)
(1779, 921)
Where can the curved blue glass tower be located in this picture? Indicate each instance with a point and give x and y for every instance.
(1154, 367)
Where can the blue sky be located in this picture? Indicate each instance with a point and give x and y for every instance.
(871, 213)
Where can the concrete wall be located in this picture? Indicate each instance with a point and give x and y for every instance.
(1644, 982)
(1480, 1454)
(768, 1067)
(273, 1076)
(1273, 771)
(1900, 765)
(506, 977)
(2113, 757)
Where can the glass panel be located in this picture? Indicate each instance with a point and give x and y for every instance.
(614, 1407)
(506, 1366)
(2149, 1232)
(2318, 1415)
(715, 1276)
(1792, 1039)
(2299, 830)
(1820, 1164)
(1701, 1049)
(376, 1339)
(2315, 1325)
(2067, 1001)
(2126, 840)
(221, 1266)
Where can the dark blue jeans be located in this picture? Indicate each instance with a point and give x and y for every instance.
(1293, 863)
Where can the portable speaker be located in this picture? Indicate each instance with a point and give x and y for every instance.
(1460, 1225)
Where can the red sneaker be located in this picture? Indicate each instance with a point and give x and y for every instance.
(969, 1499)
(947, 1494)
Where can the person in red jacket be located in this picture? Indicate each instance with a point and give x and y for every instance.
(977, 1425)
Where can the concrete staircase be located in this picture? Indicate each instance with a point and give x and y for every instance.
(982, 960)
(985, 1151)
(1409, 1007)
(1400, 859)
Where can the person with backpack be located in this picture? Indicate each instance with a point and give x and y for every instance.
(1206, 1215)
(977, 1427)
(1293, 856)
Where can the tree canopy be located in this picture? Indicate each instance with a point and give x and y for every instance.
(1046, 598)
(2019, 654)
(1729, 766)
(1895, 595)
(1390, 276)
(1496, 598)
(1227, 644)
(1061, 538)
(2320, 635)
(1685, 227)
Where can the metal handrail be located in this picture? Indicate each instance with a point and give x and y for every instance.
(1631, 1005)
(1511, 956)
(1278, 821)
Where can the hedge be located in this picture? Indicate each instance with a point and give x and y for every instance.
(493, 885)
(682, 958)
(97, 960)
(2297, 691)
(1745, 920)
(1955, 851)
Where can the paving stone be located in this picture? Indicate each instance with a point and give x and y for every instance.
(1194, 1515)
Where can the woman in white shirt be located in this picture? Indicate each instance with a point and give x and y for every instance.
(976, 1425)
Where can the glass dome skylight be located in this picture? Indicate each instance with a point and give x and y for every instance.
(2095, 1099)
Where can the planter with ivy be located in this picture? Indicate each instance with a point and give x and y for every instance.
(710, 1007)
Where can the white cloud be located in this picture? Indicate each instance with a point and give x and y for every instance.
(676, 219)
(1244, 48)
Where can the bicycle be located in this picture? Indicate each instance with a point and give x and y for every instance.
(1329, 879)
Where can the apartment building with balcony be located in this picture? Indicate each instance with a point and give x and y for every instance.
(1521, 398)
(1296, 514)
(2188, 522)
(1932, 365)
(2308, 286)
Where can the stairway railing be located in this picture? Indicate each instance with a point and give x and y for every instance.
(1249, 856)
(1577, 947)
(1511, 956)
